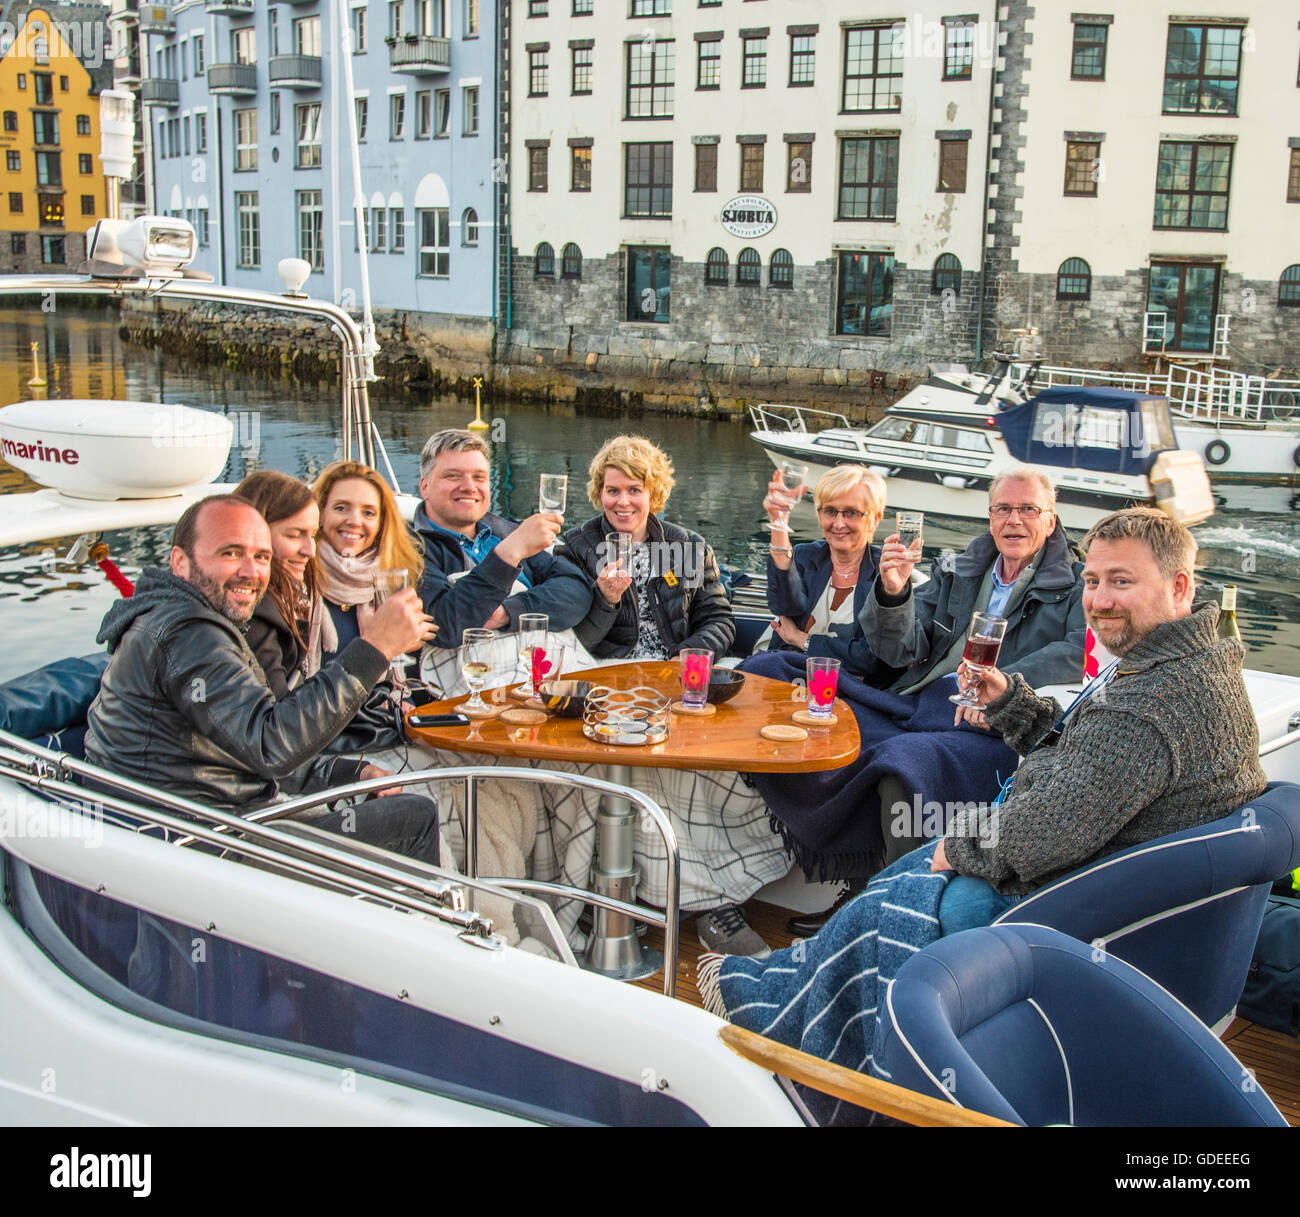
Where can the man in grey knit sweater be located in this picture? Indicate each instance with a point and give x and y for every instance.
(1169, 743)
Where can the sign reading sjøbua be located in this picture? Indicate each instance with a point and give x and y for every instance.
(748, 216)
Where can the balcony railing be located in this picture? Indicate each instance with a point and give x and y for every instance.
(232, 8)
(419, 54)
(160, 91)
(156, 19)
(126, 14)
(294, 71)
(236, 79)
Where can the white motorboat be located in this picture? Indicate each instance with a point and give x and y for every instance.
(941, 445)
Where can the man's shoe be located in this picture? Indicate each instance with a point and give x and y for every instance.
(727, 931)
(805, 925)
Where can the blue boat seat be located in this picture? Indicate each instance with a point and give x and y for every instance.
(1030, 1025)
(1184, 909)
(49, 706)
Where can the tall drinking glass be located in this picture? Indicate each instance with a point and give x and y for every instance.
(909, 526)
(553, 492)
(618, 549)
(697, 667)
(388, 583)
(823, 677)
(476, 661)
(983, 642)
(532, 634)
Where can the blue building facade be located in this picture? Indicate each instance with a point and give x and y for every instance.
(248, 112)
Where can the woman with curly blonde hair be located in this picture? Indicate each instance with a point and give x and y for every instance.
(361, 532)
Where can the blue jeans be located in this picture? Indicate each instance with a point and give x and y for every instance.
(967, 903)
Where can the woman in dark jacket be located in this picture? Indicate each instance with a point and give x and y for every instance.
(672, 596)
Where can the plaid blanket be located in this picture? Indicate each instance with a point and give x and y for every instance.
(823, 995)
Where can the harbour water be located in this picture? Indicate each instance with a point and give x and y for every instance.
(50, 609)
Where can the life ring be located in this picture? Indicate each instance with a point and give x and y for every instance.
(1217, 452)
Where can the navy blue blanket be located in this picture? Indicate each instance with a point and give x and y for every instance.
(831, 821)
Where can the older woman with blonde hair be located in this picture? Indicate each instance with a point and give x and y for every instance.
(816, 590)
(670, 595)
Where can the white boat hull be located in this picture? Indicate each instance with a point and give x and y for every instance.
(1254, 454)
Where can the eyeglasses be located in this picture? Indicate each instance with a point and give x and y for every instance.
(1028, 511)
(851, 514)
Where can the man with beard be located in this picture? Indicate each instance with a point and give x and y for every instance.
(183, 705)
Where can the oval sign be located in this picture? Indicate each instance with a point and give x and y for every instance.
(748, 216)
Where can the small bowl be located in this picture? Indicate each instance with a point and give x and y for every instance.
(724, 684)
(565, 698)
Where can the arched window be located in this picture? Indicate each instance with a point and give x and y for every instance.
(715, 267)
(1288, 286)
(780, 272)
(571, 262)
(749, 268)
(1074, 280)
(469, 227)
(947, 274)
(544, 262)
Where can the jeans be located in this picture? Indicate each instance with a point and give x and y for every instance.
(404, 823)
(967, 903)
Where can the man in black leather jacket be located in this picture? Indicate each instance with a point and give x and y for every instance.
(184, 706)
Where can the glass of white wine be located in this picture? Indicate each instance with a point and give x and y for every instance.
(553, 492)
(389, 583)
(476, 661)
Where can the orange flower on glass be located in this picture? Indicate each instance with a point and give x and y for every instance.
(822, 688)
(695, 672)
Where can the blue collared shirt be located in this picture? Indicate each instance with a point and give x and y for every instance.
(482, 544)
(1001, 591)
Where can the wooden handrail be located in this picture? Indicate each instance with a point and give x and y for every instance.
(851, 1086)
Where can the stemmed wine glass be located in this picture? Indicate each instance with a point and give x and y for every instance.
(983, 641)
(476, 661)
(794, 477)
(553, 492)
(389, 583)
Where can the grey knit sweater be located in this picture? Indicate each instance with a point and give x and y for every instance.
(1169, 744)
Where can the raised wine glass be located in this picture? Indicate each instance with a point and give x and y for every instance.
(476, 661)
(909, 526)
(983, 641)
(389, 583)
(794, 477)
(552, 492)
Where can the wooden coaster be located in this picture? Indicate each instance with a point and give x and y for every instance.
(523, 717)
(782, 734)
(488, 712)
(698, 711)
(807, 720)
(519, 693)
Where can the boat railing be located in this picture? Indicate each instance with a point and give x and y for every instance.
(803, 420)
(336, 861)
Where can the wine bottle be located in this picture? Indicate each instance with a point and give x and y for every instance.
(1228, 613)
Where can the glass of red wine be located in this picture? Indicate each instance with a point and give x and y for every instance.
(983, 641)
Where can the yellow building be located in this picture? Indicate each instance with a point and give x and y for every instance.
(52, 188)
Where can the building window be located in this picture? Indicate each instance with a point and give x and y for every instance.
(751, 168)
(11, 120)
(544, 261)
(360, 32)
(15, 202)
(716, 271)
(1074, 280)
(753, 60)
(648, 180)
(442, 113)
(864, 303)
(749, 269)
(946, 276)
(431, 18)
(958, 50)
(580, 169)
(45, 128)
(537, 168)
(1202, 69)
(249, 252)
(87, 204)
(869, 180)
(243, 45)
(708, 63)
(1192, 184)
(952, 166)
(306, 36)
(396, 115)
(378, 237)
(196, 43)
(307, 125)
(538, 8)
(471, 18)
(22, 82)
(1088, 56)
(650, 70)
(201, 226)
(397, 18)
(435, 242)
(54, 250)
(200, 133)
(397, 230)
(582, 8)
(798, 177)
(44, 88)
(780, 271)
(469, 227)
(1082, 168)
(18, 244)
(83, 124)
(873, 75)
(245, 140)
(1288, 287)
(1293, 178)
(803, 56)
(363, 117)
(652, 8)
(581, 70)
(423, 115)
(538, 72)
(63, 84)
(52, 210)
(86, 161)
(14, 161)
(649, 283)
(571, 262)
(706, 168)
(471, 110)
(311, 229)
(49, 169)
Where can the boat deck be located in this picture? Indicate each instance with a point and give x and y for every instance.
(1272, 1057)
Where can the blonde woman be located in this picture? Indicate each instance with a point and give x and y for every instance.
(361, 532)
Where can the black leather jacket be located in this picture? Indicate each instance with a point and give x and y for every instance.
(184, 705)
(687, 598)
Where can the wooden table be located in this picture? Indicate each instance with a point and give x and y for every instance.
(726, 740)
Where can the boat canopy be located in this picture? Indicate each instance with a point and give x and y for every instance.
(1079, 427)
